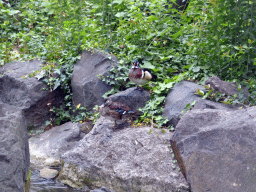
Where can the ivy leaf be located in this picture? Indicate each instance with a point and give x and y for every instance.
(199, 92)
(120, 14)
(187, 67)
(236, 47)
(57, 84)
(118, 1)
(196, 69)
(152, 18)
(57, 71)
(193, 103)
(178, 34)
(13, 12)
(147, 64)
(40, 75)
(165, 57)
(150, 35)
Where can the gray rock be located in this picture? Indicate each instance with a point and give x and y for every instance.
(48, 173)
(14, 151)
(17, 89)
(131, 97)
(131, 159)
(102, 189)
(47, 147)
(181, 95)
(218, 149)
(228, 88)
(87, 88)
(130, 100)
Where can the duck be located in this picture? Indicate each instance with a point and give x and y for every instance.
(115, 111)
(140, 76)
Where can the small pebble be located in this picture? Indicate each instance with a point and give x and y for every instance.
(48, 173)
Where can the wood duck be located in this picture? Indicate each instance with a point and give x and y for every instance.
(115, 111)
(140, 76)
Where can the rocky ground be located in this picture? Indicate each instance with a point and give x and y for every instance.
(211, 149)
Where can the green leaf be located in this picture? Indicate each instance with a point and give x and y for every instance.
(47, 123)
(40, 75)
(118, 1)
(57, 84)
(187, 67)
(150, 35)
(120, 14)
(236, 47)
(196, 69)
(13, 12)
(163, 130)
(152, 18)
(178, 34)
(147, 64)
(166, 57)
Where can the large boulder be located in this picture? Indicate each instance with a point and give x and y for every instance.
(218, 149)
(87, 87)
(183, 94)
(14, 152)
(47, 148)
(17, 89)
(130, 159)
(229, 88)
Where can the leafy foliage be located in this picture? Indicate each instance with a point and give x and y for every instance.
(213, 37)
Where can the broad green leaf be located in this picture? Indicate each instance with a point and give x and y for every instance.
(177, 34)
(150, 35)
(196, 69)
(57, 84)
(152, 18)
(147, 64)
(120, 14)
(13, 12)
(118, 1)
(187, 67)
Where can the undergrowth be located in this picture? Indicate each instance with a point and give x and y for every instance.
(212, 37)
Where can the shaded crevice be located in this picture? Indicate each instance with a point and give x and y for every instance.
(4, 158)
(178, 158)
(180, 162)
